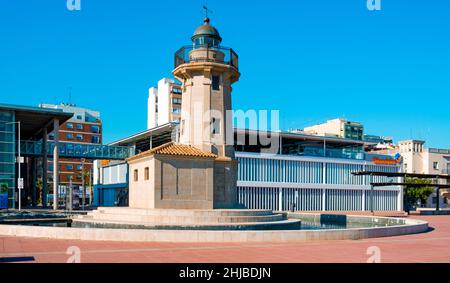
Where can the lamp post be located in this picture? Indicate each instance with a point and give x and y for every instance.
(19, 179)
(82, 182)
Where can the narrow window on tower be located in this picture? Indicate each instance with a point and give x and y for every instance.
(216, 82)
(147, 174)
(215, 126)
(136, 175)
(183, 122)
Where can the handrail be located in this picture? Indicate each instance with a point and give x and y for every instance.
(230, 56)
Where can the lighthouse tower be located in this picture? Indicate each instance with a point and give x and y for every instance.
(207, 70)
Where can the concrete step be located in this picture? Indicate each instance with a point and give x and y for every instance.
(289, 224)
(181, 212)
(177, 219)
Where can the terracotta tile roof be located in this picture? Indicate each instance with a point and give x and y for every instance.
(172, 148)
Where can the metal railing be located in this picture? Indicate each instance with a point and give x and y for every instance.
(439, 151)
(72, 150)
(230, 57)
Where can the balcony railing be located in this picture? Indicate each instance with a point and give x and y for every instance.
(439, 151)
(230, 57)
(90, 151)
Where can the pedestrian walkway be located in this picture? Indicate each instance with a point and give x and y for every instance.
(427, 247)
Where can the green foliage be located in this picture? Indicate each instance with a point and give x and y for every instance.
(3, 188)
(418, 193)
(39, 186)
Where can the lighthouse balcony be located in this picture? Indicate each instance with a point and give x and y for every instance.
(205, 53)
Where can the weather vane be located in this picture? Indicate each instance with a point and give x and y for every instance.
(207, 11)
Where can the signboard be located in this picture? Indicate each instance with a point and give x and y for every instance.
(397, 159)
(20, 183)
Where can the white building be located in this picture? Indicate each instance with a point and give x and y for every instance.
(164, 103)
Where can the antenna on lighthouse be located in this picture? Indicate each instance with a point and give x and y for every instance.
(207, 10)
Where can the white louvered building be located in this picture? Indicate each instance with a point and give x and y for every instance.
(306, 173)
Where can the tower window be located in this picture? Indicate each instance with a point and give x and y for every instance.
(215, 125)
(136, 174)
(146, 174)
(216, 82)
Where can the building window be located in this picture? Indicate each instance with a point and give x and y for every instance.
(215, 125)
(79, 117)
(176, 110)
(436, 165)
(95, 139)
(69, 126)
(136, 175)
(51, 137)
(79, 126)
(147, 173)
(69, 136)
(95, 129)
(176, 90)
(69, 167)
(176, 101)
(79, 167)
(216, 82)
(79, 137)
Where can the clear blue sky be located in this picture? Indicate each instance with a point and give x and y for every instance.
(312, 59)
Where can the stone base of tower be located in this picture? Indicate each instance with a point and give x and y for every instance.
(225, 180)
(177, 176)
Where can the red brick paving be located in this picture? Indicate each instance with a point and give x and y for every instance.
(433, 246)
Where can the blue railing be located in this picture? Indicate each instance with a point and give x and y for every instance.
(72, 150)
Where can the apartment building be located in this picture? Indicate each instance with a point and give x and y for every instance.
(338, 128)
(85, 127)
(164, 103)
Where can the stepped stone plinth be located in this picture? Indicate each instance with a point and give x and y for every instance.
(178, 219)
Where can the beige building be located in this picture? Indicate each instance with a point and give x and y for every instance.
(337, 128)
(419, 159)
(175, 176)
(200, 172)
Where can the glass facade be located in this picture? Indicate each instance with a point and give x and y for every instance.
(7, 153)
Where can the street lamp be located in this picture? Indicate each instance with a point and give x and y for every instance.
(82, 182)
(19, 179)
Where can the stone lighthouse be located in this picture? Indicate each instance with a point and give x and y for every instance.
(200, 171)
(207, 70)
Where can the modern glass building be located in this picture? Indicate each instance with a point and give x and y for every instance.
(36, 125)
(7, 152)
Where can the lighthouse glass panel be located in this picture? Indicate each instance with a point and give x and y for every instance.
(206, 42)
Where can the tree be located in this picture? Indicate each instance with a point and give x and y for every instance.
(3, 188)
(39, 186)
(415, 194)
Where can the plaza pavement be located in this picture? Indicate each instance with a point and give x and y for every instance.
(433, 246)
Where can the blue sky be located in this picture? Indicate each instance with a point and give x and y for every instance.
(311, 59)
